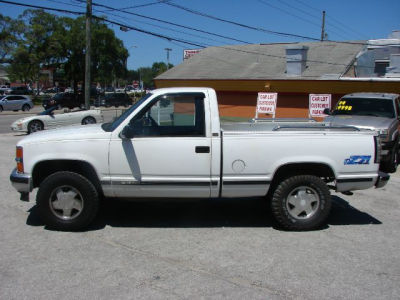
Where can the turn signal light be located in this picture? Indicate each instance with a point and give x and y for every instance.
(19, 159)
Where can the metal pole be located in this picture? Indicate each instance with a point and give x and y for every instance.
(323, 27)
(87, 53)
(168, 49)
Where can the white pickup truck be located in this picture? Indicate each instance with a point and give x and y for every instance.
(170, 144)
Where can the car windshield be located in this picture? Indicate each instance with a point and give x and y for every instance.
(111, 126)
(375, 107)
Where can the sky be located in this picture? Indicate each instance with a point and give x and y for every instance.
(301, 19)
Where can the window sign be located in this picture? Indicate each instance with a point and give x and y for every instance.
(266, 103)
(317, 104)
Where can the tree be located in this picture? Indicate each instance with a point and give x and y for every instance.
(10, 34)
(51, 41)
(40, 46)
(108, 57)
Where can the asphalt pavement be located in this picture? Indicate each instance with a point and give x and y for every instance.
(211, 249)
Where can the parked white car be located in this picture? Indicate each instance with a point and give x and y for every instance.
(15, 103)
(48, 119)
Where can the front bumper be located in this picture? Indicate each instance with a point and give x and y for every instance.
(21, 182)
(382, 180)
(15, 127)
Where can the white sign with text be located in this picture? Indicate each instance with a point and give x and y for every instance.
(266, 103)
(317, 104)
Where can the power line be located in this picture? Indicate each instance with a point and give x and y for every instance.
(148, 32)
(122, 19)
(333, 19)
(170, 23)
(43, 7)
(105, 20)
(289, 13)
(260, 29)
(297, 16)
(140, 5)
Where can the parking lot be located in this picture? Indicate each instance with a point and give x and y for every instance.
(219, 249)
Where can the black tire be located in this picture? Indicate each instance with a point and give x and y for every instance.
(1, 108)
(35, 126)
(26, 107)
(88, 120)
(390, 166)
(67, 201)
(301, 202)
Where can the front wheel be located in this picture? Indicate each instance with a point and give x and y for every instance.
(35, 126)
(67, 201)
(88, 120)
(301, 202)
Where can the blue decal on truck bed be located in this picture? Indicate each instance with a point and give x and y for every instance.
(358, 160)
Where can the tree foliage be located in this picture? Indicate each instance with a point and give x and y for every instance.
(10, 34)
(59, 42)
(37, 40)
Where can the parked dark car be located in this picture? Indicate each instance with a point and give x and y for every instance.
(20, 90)
(69, 100)
(113, 99)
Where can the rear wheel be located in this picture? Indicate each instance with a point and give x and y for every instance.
(301, 202)
(34, 126)
(1, 108)
(67, 201)
(88, 120)
(26, 107)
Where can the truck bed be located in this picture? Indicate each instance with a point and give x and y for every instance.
(265, 127)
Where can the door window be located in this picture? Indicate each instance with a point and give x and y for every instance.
(171, 115)
(12, 98)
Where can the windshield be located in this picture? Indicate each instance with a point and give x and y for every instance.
(375, 107)
(47, 111)
(111, 126)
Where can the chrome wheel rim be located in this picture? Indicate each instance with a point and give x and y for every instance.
(66, 202)
(35, 126)
(302, 202)
(88, 121)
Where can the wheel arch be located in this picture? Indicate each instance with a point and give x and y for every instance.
(43, 169)
(88, 117)
(36, 120)
(285, 171)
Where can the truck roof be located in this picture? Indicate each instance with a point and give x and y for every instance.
(388, 96)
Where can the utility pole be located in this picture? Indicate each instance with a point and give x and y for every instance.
(323, 27)
(168, 49)
(87, 53)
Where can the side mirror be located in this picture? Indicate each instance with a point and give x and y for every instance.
(127, 133)
(327, 111)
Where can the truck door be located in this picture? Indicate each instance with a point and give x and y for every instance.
(169, 155)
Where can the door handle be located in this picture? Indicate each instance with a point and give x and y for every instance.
(202, 149)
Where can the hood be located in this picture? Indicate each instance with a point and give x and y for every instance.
(68, 133)
(366, 122)
(23, 120)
